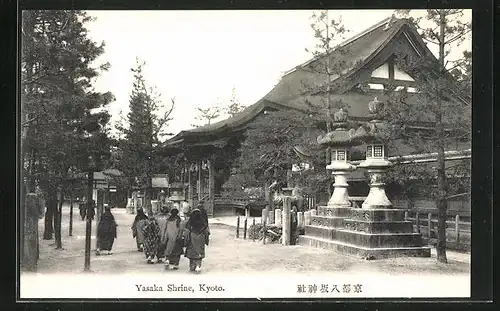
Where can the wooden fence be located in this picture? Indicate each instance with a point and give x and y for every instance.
(458, 231)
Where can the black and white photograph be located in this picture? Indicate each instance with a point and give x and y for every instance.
(254, 154)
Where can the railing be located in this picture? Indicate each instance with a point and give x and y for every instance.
(458, 232)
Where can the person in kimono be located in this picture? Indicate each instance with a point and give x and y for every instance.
(201, 208)
(173, 238)
(161, 219)
(196, 236)
(151, 240)
(106, 232)
(138, 228)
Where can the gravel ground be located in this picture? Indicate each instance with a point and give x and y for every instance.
(224, 254)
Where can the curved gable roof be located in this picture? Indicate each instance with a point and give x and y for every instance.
(293, 86)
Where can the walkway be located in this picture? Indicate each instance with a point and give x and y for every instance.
(229, 257)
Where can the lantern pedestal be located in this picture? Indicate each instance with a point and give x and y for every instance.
(377, 197)
(338, 207)
(374, 231)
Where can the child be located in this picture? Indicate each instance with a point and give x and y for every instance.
(173, 240)
(196, 236)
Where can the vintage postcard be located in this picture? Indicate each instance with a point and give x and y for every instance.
(245, 154)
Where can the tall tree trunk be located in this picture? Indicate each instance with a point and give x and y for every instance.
(22, 217)
(49, 214)
(30, 253)
(441, 175)
(71, 213)
(88, 222)
(57, 221)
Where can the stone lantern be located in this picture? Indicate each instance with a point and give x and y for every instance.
(340, 141)
(376, 163)
(377, 230)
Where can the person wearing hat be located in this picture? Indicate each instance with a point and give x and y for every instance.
(173, 240)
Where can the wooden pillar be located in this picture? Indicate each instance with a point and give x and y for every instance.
(190, 187)
(211, 187)
(198, 181)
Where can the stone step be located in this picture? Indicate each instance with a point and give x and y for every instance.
(328, 221)
(377, 240)
(334, 211)
(320, 231)
(364, 252)
(392, 214)
(378, 226)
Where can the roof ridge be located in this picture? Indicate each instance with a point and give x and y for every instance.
(344, 43)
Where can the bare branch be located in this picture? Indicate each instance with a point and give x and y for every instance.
(457, 37)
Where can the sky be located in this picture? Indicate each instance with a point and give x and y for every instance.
(198, 57)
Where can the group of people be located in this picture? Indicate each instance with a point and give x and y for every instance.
(166, 236)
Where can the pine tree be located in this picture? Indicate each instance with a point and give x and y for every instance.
(139, 146)
(234, 106)
(440, 103)
(57, 103)
(275, 156)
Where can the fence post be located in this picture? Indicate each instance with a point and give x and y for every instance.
(406, 215)
(238, 227)
(429, 224)
(253, 226)
(245, 230)
(277, 217)
(457, 229)
(417, 220)
(286, 221)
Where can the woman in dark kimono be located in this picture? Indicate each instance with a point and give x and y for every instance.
(173, 240)
(106, 232)
(138, 228)
(151, 240)
(196, 236)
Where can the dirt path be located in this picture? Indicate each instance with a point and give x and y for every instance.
(224, 254)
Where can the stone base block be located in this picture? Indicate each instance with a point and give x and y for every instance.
(391, 214)
(378, 240)
(328, 221)
(334, 211)
(321, 232)
(378, 226)
(364, 252)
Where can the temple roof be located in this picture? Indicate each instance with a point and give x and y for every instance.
(291, 90)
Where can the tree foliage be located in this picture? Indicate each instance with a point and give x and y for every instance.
(440, 103)
(61, 127)
(234, 107)
(272, 140)
(141, 134)
(207, 115)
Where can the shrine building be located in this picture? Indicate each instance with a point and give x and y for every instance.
(209, 151)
